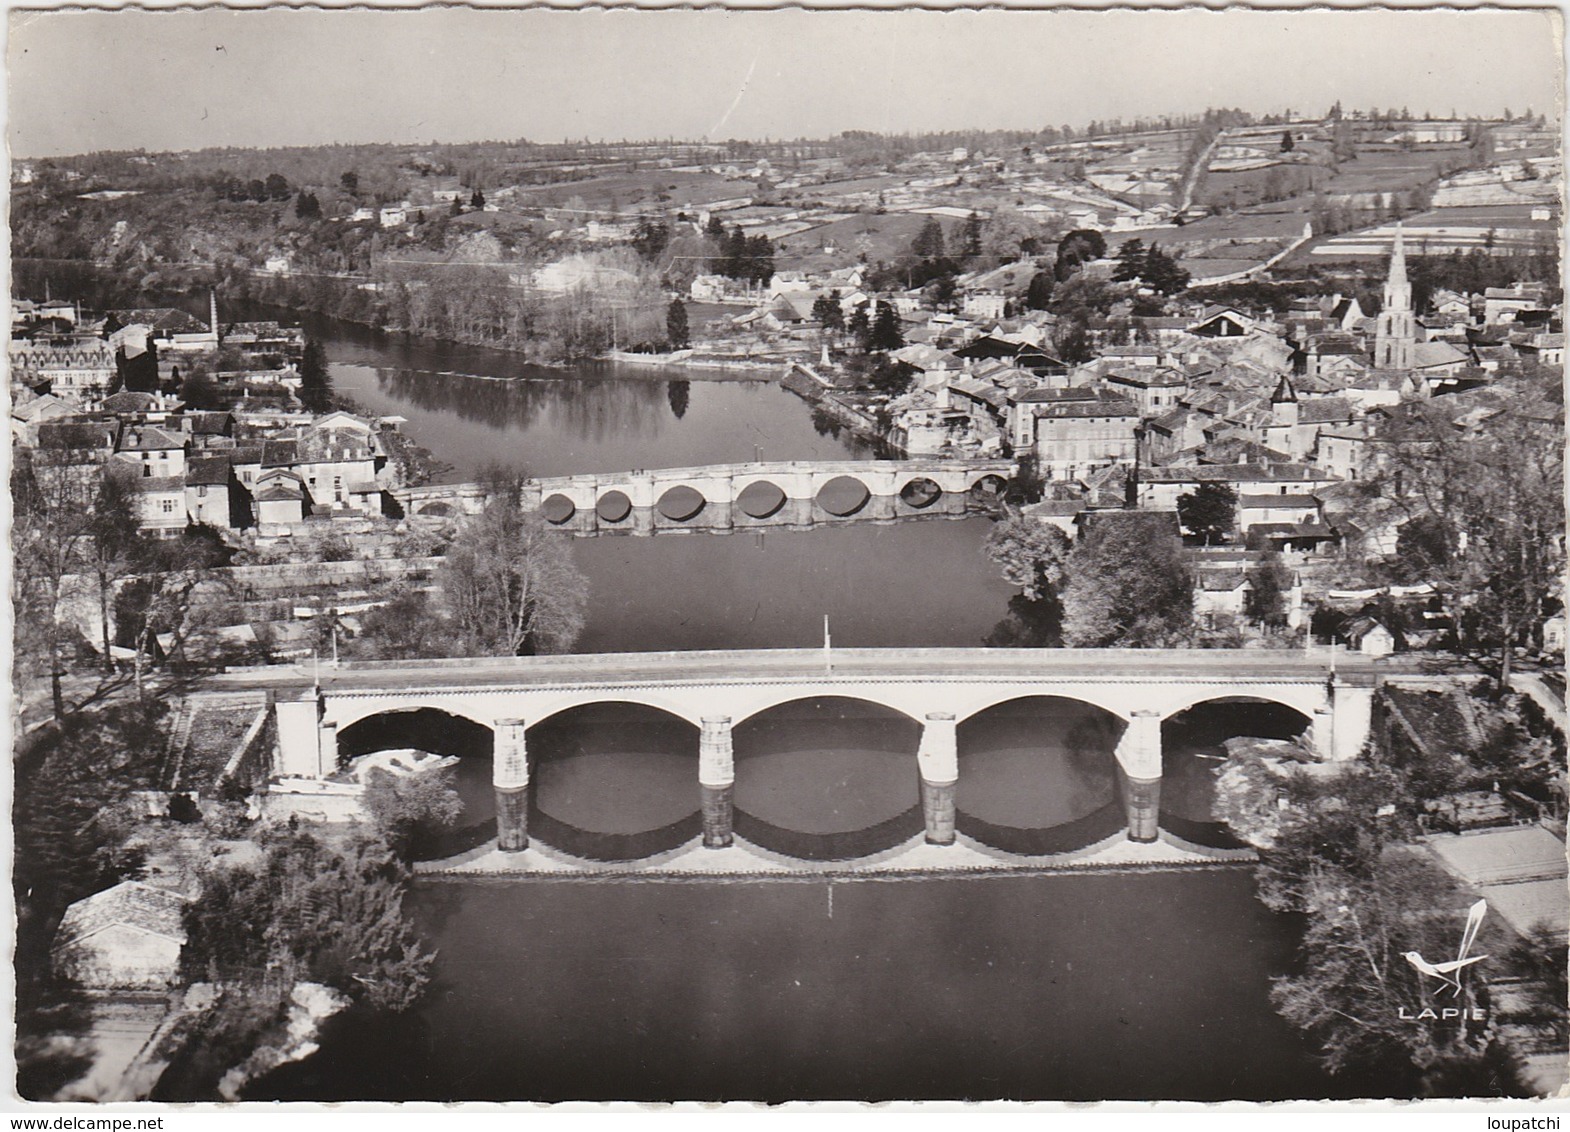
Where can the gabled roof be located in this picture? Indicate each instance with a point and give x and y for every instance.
(157, 485)
(132, 903)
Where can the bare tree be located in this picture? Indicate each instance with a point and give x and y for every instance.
(508, 583)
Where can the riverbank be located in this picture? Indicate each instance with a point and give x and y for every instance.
(914, 858)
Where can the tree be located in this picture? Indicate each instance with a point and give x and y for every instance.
(1287, 144)
(1076, 249)
(1162, 273)
(1038, 296)
(676, 330)
(316, 385)
(1490, 504)
(456, 209)
(860, 327)
(306, 206)
(350, 182)
(1131, 261)
(928, 243)
(1129, 585)
(51, 526)
(198, 391)
(327, 912)
(507, 583)
(1005, 233)
(827, 313)
(1357, 991)
(113, 538)
(275, 187)
(1209, 512)
(1265, 601)
(760, 256)
(650, 237)
(477, 200)
(1030, 554)
(886, 333)
(970, 239)
(410, 810)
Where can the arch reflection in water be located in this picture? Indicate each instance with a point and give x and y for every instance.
(843, 496)
(828, 778)
(614, 781)
(614, 506)
(920, 493)
(1193, 755)
(681, 503)
(760, 499)
(440, 733)
(1037, 776)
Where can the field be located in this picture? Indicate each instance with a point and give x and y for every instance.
(881, 237)
(634, 190)
(1388, 169)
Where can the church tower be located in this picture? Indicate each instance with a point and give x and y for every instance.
(1396, 331)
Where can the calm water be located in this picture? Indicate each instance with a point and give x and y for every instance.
(1059, 987)
(1092, 986)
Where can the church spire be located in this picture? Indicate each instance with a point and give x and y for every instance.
(1397, 259)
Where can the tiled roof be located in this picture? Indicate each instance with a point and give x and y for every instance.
(133, 903)
(211, 470)
(156, 485)
(1319, 410)
(1108, 407)
(148, 438)
(1292, 473)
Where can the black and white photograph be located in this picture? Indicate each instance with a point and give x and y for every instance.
(786, 555)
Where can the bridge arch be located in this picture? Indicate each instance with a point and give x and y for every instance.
(613, 506)
(347, 712)
(681, 503)
(920, 492)
(613, 780)
(557, 508)
(844, 495)
(1038, 774)
(827, 777)
(433, 729)
(761, 499)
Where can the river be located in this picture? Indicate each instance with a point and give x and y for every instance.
(1108, 985)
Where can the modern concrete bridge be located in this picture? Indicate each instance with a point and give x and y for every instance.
(723, 497)
(938, 688)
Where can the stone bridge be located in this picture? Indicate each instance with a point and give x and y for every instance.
(937, 688)
(725, 497)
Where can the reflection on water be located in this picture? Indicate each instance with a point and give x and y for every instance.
(827, 765)
(904, 584)
(1066, 987)
(593, 418)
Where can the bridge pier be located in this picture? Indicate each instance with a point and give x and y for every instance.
(717, 780)
(307, 745)
(937, 757)
(1139, 774)
(510, 777)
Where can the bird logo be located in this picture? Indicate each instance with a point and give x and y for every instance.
(1448, 972)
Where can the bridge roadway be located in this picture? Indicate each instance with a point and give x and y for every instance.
(723, 497)
(937, 688)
